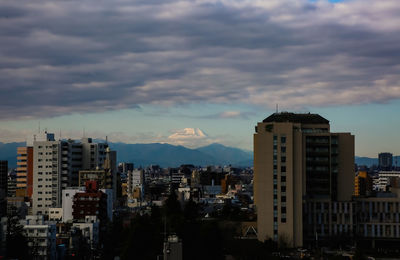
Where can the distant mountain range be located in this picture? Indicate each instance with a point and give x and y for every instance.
(167, 155)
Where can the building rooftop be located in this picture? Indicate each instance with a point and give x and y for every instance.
(307, 118)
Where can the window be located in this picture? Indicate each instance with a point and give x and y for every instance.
(283, 139)
(283, 198)
(283, 159)
(283, 168)
(283, 149)
(283, 178)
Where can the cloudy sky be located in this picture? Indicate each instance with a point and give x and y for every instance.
(163, 70)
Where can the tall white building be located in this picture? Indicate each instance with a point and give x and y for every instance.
(56, 165)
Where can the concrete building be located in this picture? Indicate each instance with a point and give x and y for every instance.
(103, 178)
(90, 230)
(135, 179)
(68, 195)
(173, 248)
(41, 236)
(68, 201)
(3, 187)
(384, 179)
(125, 167)
(25, 171)
(12, 184)
(385, 161)
(56, 165)
(378, 221)
(92, 202)
(362, 184)
(297, 160)
(55, 214)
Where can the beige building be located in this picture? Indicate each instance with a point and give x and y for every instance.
(297, 160)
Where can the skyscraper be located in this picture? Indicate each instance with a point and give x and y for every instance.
(297, 159)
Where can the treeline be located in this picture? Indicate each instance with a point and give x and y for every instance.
(201, 238)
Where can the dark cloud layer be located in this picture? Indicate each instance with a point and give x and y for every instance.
(62, 57)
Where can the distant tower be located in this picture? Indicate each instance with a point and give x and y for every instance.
(385, 161)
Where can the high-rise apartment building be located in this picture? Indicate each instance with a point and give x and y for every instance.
(25, 171)
(298, 160)
(385, 161)
(56, 165)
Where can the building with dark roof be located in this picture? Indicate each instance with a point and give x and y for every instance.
(299, 162)
(306, 118)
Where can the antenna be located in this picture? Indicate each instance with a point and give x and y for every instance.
(39, 127)
(84, 132)
(60, 134)
(106, 139)
(277, 108)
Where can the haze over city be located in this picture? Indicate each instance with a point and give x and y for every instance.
(198, 72)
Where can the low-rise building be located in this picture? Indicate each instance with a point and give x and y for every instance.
(41, 236)
(92, 202)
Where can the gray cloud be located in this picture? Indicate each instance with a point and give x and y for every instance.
(90, 56)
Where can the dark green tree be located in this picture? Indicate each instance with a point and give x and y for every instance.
(16, 242)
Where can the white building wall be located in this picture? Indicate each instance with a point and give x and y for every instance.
(67, 202)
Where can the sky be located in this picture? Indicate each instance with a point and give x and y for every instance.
(195, 72)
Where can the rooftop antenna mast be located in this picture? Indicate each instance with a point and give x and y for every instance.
(276, 108)
(39, 127)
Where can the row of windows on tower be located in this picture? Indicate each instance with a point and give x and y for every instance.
(282, 160)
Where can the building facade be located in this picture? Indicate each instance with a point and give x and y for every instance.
(92, 202)
(362, 184)
(385, 161)
(41, 236)
(297, 160)
(25, 171)
(3, 187)
(56, 165)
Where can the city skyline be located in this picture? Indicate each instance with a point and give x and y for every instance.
(142, 72)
